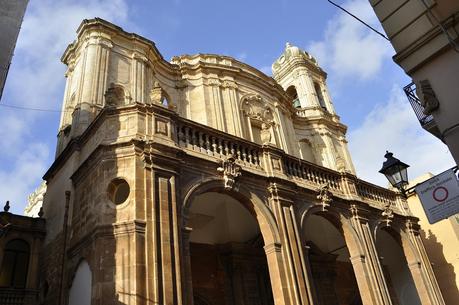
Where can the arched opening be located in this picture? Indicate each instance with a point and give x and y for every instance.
(228, 262)
(320, 96)
(80, 291)
(332, 273)
(15, 264)
(291, 91)
(395, 268)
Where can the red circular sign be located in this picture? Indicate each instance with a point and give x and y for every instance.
(440, 194)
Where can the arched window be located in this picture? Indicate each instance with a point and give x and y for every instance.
(15, 264)
(320, 96)
(291, 91)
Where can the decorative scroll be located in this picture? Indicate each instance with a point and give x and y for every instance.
(230, 171)
(429, 100)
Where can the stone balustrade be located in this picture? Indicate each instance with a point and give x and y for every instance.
(199, 139)
(9, 296)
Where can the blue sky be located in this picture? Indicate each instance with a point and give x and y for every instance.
(364, 82)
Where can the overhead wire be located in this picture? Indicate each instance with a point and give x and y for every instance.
(31, 109)
(360, 20)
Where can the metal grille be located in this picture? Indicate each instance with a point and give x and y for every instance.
(410, 91)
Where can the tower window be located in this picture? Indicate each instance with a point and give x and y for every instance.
(320, 96)
(15, 264)
(291, 91)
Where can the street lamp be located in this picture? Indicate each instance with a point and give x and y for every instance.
(395, 171)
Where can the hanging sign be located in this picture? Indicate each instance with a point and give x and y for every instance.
(439, 196)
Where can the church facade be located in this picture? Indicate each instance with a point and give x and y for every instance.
(203, 181)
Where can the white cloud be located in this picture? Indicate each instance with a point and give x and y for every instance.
(36, 79)
(393, 126)
(26, 174)
(348, 48)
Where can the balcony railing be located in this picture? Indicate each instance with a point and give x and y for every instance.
(410, 91)
(427, 121)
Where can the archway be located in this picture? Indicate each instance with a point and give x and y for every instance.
(395, 268)
(332, 273)
(228, 262)
(80, 291)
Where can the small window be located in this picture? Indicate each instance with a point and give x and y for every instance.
(15, 264)
(118, 191)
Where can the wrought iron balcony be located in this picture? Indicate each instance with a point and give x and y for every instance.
(426, 120)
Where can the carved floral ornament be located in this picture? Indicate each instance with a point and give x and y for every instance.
(230, 171)
(325, 196)
(256, 108)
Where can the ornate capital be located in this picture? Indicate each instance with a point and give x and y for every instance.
(325, 196)
(230, 171)
(229, 84)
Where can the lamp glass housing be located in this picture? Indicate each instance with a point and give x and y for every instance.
(395, 171)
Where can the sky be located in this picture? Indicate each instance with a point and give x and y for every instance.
(364, 82)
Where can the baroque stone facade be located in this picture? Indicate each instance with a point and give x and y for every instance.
(204, 181)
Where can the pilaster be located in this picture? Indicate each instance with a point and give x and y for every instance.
(282, 207)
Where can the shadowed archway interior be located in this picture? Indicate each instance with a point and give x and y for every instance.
(228, 263)
(332, 272)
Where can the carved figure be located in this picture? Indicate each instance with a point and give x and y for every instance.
(230, 171)
(325, 196)
(387, 214)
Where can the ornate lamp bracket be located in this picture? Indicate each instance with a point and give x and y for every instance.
(325, 196)
(230, 171)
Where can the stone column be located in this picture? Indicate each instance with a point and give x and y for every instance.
(292, 252)
(364, 258)
(164, 264)
(420, 267)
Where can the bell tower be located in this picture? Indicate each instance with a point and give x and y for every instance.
(319, 132)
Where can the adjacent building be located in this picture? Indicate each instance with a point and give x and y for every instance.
(425, 36)
(203, 181)
(11, 15)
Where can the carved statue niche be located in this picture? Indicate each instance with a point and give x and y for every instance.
(259, 114)
(428, 98)
(159, 96)
(115, 95)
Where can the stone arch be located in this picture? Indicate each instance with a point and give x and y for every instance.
(262, 216)
(117, 95)
(340, 222)
(396, 263)
(331, 255)
(259, 210)
(80, 291)
(293, 94)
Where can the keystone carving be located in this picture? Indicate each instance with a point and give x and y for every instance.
(388, 214)
(230, 171)
(325, 196)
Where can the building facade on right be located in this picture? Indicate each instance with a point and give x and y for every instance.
(425, 35)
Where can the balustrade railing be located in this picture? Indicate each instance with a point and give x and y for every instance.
(214, 143)
(10, 296)
(376, 193)
(218, 144)
(315, 174)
